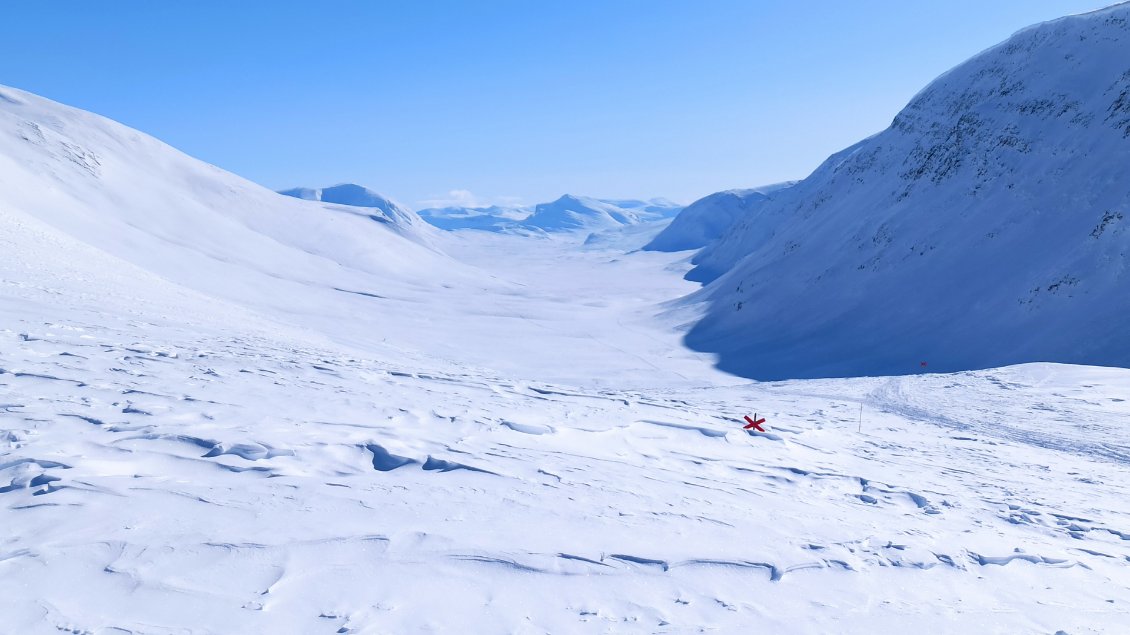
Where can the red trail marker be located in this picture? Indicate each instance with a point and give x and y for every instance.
(755, 424)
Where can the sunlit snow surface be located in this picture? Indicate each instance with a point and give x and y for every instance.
(169, 463)
(223, 410)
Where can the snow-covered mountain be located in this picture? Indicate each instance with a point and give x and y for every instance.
(987, 226)
(492, 218)
(577, 213)
(358, 196)
(567, 214)
(707, 219)
(139, 200)
(377, 279)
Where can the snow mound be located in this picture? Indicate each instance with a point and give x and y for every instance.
(987, 226)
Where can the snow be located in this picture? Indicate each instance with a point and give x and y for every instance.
(707, 219)
(357, 196)
(177, 471)
(568, 213)
(223, 410)
(985, 227)
(493, 218)
(571, 213)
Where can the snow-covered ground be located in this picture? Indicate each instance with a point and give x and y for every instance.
(173, 463)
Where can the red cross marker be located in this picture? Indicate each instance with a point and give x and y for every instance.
(755, 424)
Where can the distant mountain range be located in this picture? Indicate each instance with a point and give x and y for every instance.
(566, 214)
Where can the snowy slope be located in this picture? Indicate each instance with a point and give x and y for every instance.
(356, 274)
(581, 213)
(170, 465)
(493, 218)
(358, 196)
(137, 198)
(707, 219)
(986, 226)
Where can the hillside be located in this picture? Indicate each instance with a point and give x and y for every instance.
(359, 196)
(573, 213)
(985, 227)
(708, 219)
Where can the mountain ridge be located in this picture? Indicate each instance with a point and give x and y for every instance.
(984, 227)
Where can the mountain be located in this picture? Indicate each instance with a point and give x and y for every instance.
(357, 196)
(138, 200)
(988, 225)
(493, 218)
(573, 213)
(707, 219)
(566, 214)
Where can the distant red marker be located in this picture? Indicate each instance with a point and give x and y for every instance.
(754, 424)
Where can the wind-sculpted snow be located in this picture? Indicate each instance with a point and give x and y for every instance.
(985, 227)
(157, 475)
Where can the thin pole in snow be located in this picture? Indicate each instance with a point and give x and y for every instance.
(860, 417)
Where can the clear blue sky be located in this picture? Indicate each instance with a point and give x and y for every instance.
(504, 99)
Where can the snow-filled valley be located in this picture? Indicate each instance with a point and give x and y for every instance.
(225, 410)
(172, 463)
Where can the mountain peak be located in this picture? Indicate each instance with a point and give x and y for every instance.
(355, 195)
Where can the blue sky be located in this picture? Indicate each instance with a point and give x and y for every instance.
(496, 101)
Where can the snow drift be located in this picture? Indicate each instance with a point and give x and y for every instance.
(572, 213)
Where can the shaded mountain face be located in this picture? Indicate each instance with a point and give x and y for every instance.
(987, 226)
